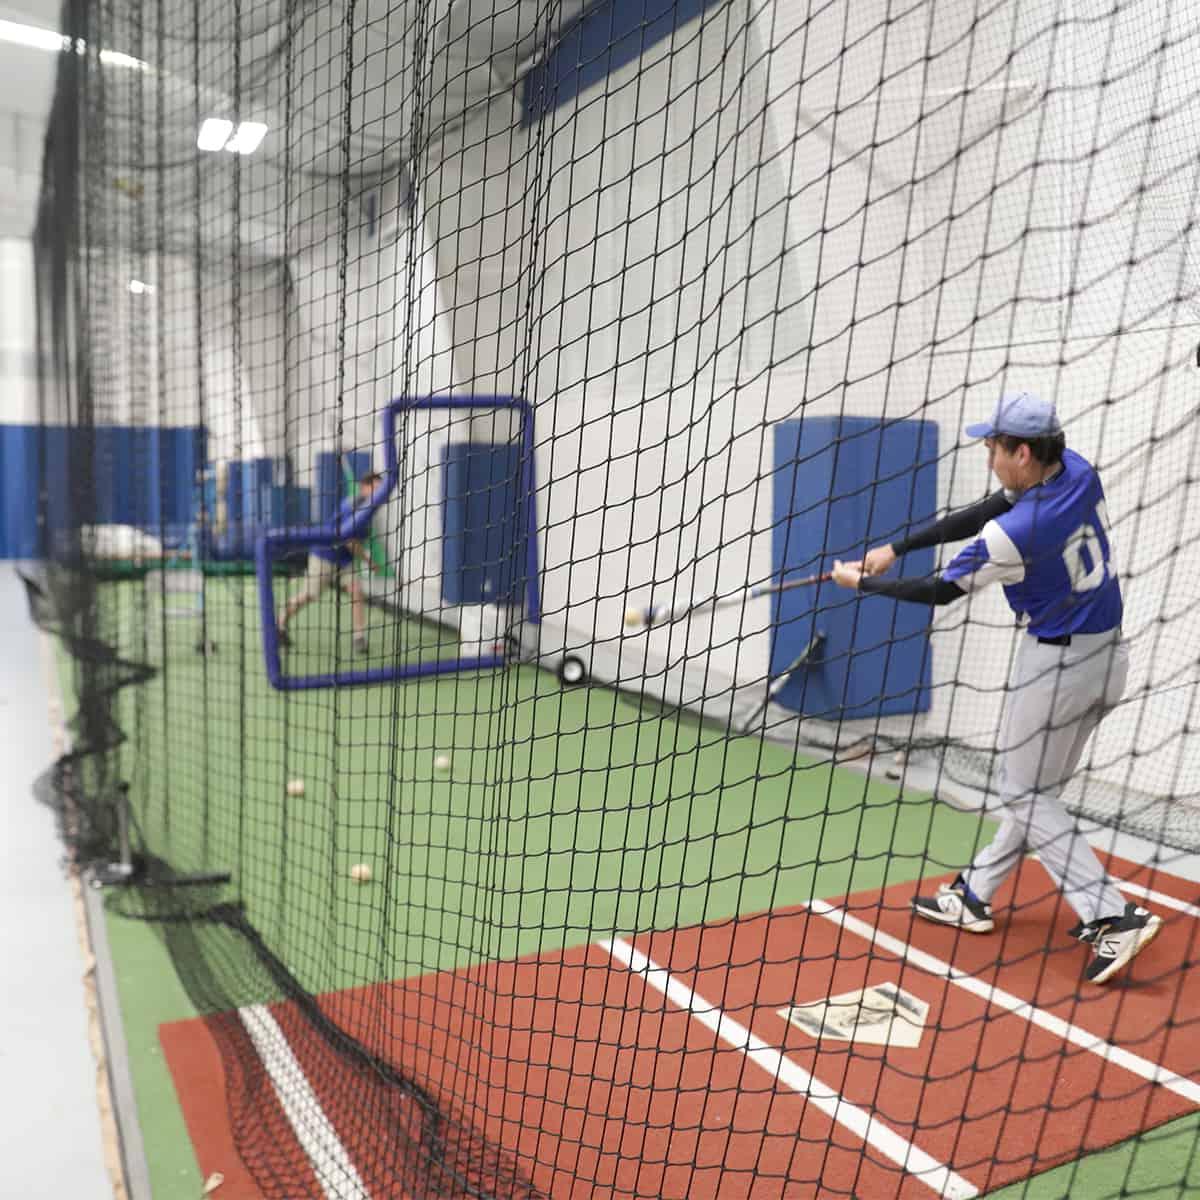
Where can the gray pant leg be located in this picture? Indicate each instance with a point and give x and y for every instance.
(1058, 697)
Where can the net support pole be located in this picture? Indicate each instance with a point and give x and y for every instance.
(127, 871)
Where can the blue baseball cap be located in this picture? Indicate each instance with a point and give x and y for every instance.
(1019, 414)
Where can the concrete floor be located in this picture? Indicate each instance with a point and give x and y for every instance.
(50, 1145)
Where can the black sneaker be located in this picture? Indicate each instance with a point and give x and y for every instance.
(954, 905)
(1116, 941)
(360, 645)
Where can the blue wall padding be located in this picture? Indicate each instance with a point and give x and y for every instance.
(105, 475)
(608, 35)
(290, 505)
(249, 492)
(143, 476)
(331, 482)
(20, 455)
(485, 524)
(254, 501)
(841, 486)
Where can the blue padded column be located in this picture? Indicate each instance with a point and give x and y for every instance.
(483, 543)
(331, 481)
(842, 485)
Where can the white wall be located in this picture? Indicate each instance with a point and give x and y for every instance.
(18, 333)
(365, 325)
(175, 354)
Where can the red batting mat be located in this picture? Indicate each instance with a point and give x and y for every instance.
(576, 1071)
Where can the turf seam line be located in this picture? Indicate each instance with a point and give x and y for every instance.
(331, 1163)
(935, 1175)
(1093, 1043)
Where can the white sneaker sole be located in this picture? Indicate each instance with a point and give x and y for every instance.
(965, 922)
(1145, 936)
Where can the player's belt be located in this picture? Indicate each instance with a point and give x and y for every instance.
(1063, 639)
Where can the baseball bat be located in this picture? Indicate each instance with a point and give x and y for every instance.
(662, 614)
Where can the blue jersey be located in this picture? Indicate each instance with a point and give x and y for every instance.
(338, 553)
(1053, 554)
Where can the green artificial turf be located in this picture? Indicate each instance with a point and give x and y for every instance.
(1160, 1164)
(565, 815)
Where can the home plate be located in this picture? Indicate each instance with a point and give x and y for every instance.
(883, 1015)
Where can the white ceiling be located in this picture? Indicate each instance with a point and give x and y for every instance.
(294, 67)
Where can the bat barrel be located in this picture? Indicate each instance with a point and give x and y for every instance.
(661, 614)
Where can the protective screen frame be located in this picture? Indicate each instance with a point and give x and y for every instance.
(276, 542)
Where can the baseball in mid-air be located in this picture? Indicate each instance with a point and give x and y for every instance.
(295, 787)
(442, 762)
(634, 617)
(361, 872)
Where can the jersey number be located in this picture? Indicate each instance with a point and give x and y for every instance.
(1083, 555)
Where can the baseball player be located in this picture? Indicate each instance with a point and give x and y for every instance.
(1044, 536)
(333, 564)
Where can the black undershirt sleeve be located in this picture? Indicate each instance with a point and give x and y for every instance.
(929, 589)
(953, 527)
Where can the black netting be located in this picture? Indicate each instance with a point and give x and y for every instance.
(452, 418)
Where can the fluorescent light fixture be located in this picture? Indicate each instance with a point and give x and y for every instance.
(32, 36)
(37, 38)
(214, 133)
(138, 288)
(114, 58)
(248, 137)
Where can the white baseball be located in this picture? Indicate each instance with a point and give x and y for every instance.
(361, 872)
(442, 762)
(295, 787)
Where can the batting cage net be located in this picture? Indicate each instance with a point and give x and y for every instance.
(464, 431)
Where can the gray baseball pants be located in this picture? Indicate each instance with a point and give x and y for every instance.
(1057, 697)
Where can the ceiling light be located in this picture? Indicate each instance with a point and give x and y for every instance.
(214, 133)
(248, 137)
(32, 36)
(138, 288)
(37, 38)
(114, 58)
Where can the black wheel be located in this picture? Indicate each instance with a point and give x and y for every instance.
(572, 671)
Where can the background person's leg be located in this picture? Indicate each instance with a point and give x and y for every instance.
(316, 578)
(358, 608)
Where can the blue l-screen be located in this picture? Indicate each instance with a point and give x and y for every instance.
(841, 486)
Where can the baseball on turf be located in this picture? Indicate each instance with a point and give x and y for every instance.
(442, 762)
(295, 787)
(361, 873)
